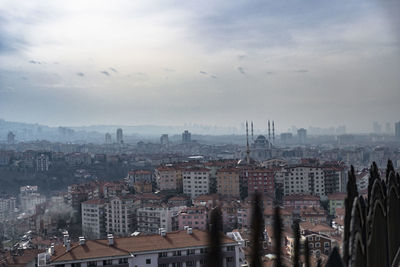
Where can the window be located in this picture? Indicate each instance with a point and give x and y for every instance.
(162, 254)
(148, 261)
(317, 238)
(92, 263)
(75, 265)
(230, 248)
(317, 244)
(310, 238)
(107, 262)
(122, 261)
(326, 244)
(229, 259)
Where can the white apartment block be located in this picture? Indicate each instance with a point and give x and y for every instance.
(196, 182)
(121, 215)
(42, 163)
(29, 201)
(93, 219)
(151, 218)
(7, 208)
(304, 180)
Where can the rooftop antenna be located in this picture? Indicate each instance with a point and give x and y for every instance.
(252, 132)
(247, 145)
(269, 131)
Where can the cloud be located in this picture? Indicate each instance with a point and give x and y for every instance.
(34, 62)
(80, 74)
(214, 76)
(203, 72)
(105, 72)
(241, 57)
(241, 70)
(114, 70)
(169, 70)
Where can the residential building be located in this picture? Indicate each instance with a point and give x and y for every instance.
(139, 176)
(93, 218)
(196, 181)
(301, 201)
(179, 248)
(166, 178)
(304, 180)
(29, 198)
(7, 207)
(336, 201)
(42, 163)
(195, 217)
(121, 215)
(150, 218)
(228, 182)
(302, 135)
(261, 180)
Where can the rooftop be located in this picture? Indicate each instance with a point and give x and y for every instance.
(136, 244)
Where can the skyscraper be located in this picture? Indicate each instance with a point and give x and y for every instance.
(10, 138)
(120, 139)
(186, 137)
(108, 138)
(397, 130)
(164, 140)
(302, 135)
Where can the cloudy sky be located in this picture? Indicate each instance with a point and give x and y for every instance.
(321, 63)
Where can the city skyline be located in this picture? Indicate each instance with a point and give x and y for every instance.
(168, 63)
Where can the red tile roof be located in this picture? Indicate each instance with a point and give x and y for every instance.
(137, 244)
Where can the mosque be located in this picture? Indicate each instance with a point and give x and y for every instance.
(262, 148)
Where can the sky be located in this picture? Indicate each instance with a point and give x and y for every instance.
(320, 63)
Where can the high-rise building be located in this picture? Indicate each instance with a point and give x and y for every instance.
(94, 218)
(377, 127)
(186, 137)
(397, 130)
(164, 140)
(42, 163)
(120, 139)
(196, 182)
(108, 138)
(302, 135)
(10, 138)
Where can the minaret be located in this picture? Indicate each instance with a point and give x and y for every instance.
(248, 147)
(252, 132)
(269, 131)
(273, 132)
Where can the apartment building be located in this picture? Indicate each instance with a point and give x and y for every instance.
(228, 182)
(167, 178)
(195, 217)
(121, 215)
(179, 248)
(94, 218)
(304, 180)
(150, 218)
(196, 181)
(261, 180)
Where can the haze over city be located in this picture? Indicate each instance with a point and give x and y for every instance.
(217, 63)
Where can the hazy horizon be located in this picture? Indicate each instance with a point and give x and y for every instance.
(314, 63)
